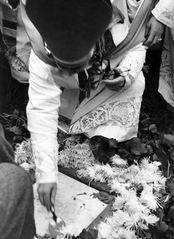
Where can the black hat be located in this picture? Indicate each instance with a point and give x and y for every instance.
(70, 27)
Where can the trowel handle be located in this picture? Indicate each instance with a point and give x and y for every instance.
(52, 209)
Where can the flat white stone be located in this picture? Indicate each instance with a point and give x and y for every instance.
(75, 204)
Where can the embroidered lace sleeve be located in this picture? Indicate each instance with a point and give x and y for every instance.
(132, 64)
(164, 12)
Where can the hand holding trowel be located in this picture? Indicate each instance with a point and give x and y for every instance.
(55, 224)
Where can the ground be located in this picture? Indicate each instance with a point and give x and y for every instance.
(156, 128)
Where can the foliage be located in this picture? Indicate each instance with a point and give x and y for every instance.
(141, 195)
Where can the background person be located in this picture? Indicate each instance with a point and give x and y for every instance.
(16, 196)
(162, 22)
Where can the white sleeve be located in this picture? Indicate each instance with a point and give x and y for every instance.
(42, 115)
(132, 63)
(6, 2)
(164, 12)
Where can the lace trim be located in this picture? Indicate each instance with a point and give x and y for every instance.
(169, 14)
(165, 70)
(120, 113)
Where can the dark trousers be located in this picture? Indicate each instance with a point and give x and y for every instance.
(16, 203)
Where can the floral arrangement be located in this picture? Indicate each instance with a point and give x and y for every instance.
(139, 188)
(23, 155)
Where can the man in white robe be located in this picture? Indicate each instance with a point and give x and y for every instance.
(112, 102)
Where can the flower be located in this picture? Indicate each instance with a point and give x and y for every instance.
(136, 187)
(149, 199)
(119, 203)
(124, 234)
(117, 160)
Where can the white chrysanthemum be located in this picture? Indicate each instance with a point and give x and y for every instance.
(156, 164)
(133, 169)
(72, 141)
(106, 170)
(132, 221)
(147, 177)
(153, 167)
(143, 226)
(150, 219)
(118, 171)
(128, 176)
(130, 211)
(67, 231)
(134, 206)
(129, 195)
(116, 186)
(100, 178)
(118, 161)
(124, 234)
(82, 173)
(28, 166)
(119, 203)
(23, 152)
(119, 218)
(91, 173)
(105, 229)
(149, 200)
(64, 160)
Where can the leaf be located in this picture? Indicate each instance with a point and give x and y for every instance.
(153, 128)
(90, 234)
(163, 226)
(169, 139)
(123, 152)
(137, 147)
(150, 149)
(158, 144)
(145, 121)
(170, 214)
(163, 158)
(112, 143)
(104, 197)
(157, 234)
(16, 130)
(24, 125)
(170, 186)
(172, 153)
(16, 112)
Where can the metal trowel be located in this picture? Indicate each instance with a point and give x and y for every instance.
(55, 224)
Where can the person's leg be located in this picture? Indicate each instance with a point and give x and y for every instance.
(16, 203)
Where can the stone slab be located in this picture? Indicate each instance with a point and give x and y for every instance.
(75, 204)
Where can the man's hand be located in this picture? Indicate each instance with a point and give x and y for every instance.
(154, 32)
(47, 194)
(116, 84)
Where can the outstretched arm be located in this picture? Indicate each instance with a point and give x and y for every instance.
(42, 114)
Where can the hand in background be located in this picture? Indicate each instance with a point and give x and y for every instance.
(115, 84)
(47, 194)
(154, 32)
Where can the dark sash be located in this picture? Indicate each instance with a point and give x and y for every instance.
(136, 31)
(134, 37)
